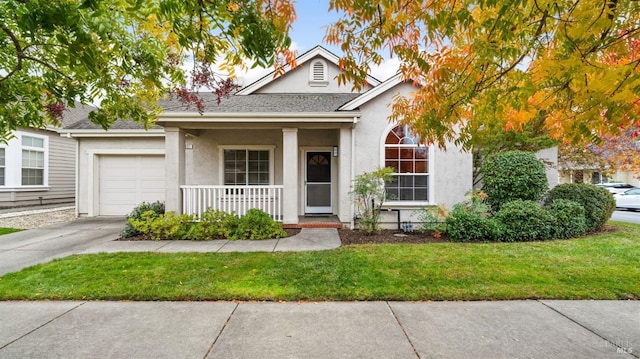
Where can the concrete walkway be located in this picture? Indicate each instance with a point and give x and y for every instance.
(515, 329)
(93, 235)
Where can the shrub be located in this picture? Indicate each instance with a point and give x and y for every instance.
(432, 219)
(568, 219)
(368, 194)
(213, 224)
(256, 224)
(513, 175)
(524, 221)
(470, 221)
(165, 226)
(598, 203)
(156, 207)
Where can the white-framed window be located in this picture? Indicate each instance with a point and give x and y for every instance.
(23, 162)
(318, 73)
(410, 161)
(247, 166)
(3, 164)
(32, 161)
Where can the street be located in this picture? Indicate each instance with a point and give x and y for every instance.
(626, 216)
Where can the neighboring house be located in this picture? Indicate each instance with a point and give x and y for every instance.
(38, 167)
(290, 145)
(593, 174)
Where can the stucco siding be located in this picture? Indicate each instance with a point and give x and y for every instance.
(297, 81)
(451, 169)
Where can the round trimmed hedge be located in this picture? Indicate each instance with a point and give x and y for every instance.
(512, 175)
(598, 203)
(523, 221)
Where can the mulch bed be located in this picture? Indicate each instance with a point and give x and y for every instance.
(348, 236)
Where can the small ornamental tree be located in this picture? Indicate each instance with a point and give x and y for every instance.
(368, 194)
(513, 175)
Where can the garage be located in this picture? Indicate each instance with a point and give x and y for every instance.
(126, 181)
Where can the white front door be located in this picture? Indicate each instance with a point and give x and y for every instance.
(318, 182)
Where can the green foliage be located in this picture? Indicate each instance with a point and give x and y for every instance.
(513, 175)
(164, 226)
(256, 224)
(368, 195)
(568, 218)
(157, 208)
(432, 219)
(471, 221)
(524, 221)
(125, 55)
(213, 224)
(598, 203)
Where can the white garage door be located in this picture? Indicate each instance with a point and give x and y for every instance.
(126, 181)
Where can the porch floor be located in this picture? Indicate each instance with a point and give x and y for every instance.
(316, 221)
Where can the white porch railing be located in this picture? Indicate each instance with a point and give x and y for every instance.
(237, 199)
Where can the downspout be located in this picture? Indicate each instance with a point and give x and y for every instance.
(77, 176)
(353, 170)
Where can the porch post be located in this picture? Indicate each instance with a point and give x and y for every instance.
(290, 175)
(345, 174)
(174, 168)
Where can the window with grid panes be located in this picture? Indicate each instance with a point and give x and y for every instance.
(246, 167)
(410, 162)
(32, 161)
(2, 165)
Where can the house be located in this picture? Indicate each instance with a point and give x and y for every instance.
(38, 167)
(290, 145)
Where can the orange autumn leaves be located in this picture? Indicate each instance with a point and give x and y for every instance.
(575, 64)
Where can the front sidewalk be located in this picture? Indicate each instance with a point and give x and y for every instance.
(509, 329)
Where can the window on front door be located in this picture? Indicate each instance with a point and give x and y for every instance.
(246, 167)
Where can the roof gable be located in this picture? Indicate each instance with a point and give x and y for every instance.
(373, 93)
(316, 52)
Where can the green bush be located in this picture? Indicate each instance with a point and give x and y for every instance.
(213, 224)
(568, 219)
(598, 203)
(136, 214)
(256, 224)
(513, 175)
(524, 221)
(165, 226)
(470, 221)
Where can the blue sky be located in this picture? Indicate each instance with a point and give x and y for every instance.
(308, 31)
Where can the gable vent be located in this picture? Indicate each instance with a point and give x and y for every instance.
(318, 71)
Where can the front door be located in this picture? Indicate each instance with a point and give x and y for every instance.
(318, 182)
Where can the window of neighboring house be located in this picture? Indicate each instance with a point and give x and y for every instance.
(32, 161)
(2, 165)
(410, 161)
(318, 73)
(246, 167)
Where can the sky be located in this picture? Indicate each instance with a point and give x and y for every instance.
(308, 31)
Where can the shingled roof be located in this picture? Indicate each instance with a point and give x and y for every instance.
(255, 103)
(273, 102)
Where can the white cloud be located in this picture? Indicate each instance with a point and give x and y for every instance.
(386, 69)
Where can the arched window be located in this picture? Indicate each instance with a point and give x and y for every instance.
(318, 73)
(410, 161)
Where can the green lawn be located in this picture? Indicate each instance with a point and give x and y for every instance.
(8, 230)
(598, 267)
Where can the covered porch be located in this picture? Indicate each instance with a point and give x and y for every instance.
(288, 167)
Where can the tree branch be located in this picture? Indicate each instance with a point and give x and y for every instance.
(19, 51)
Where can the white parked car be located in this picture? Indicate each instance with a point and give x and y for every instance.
(629, 199)
(616, 187)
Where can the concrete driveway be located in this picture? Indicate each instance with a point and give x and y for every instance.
(26, 248)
